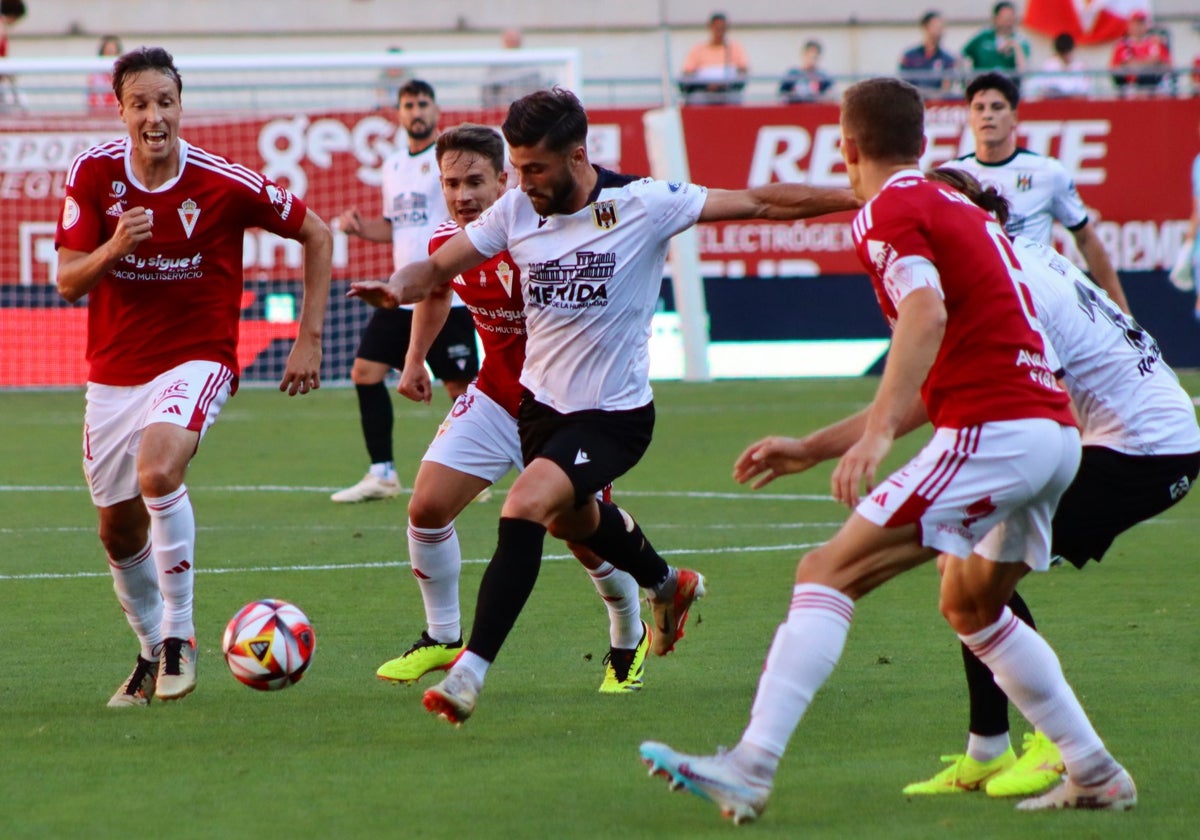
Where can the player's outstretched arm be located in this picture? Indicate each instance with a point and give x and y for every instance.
(415, 281)
(429, 316)
(80, 271)
(1100, 265)
(302, 373)
(373, 229)
(776, 201)
(772, 457)
(920, 325)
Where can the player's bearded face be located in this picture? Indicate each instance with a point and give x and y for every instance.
(150, 109)
(418, 117)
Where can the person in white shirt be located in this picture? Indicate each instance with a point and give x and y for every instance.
(1063, 74)
(590, 247)
(1038, 188)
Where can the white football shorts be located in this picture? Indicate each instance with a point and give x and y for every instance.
(478, 437)
(190, 395)
(989, 489)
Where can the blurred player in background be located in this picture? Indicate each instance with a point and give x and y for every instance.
(478, 443)
(979, 496)
(151, 231)
(1038, 188)
(590, 246)
(413, 207)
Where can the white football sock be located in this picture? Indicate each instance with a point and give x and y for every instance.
(1027, 670)
(173, 534)
(802, 656)
(436, 562)
(620, 594)
(135, 580)
(473, 665)
(985, 748)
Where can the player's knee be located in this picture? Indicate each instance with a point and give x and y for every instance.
(820, 566)
(966, 614)
(156, 480)
(428, 512)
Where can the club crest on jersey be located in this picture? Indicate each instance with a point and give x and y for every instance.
(189, 213)
(505, 273)
(118, 189)
(605, 213)
(1025, 182)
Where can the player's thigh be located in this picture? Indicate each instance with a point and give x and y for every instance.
(593, 448)
(863, 555)
(453, 356)
(541, 493)
(1111, 493)
(187, 398)
(440, 494)
(974, 590)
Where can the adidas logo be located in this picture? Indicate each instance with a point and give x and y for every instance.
(581, 457)
(172, 409)
(180, 569)
(115, 210)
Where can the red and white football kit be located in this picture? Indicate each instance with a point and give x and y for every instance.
(1005, 445)
(177, 298)
(163, 323)
(479, 435)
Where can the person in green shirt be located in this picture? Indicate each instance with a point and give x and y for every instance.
(1000, 47)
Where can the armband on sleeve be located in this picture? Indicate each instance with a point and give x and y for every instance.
(907, 274)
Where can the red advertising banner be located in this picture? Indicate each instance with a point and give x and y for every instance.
(1130, 159)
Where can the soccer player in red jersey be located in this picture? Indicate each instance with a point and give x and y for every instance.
(151, 232)
(477, 443)
(967, 356)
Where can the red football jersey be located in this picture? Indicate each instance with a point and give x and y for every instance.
(177, 297)
(492, 292)
(991, 364)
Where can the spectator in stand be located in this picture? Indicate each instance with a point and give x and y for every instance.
(508, 82)
(1063, 74)
(808, 82)
(101, 97)
(389, 82)
(1187, 260)
(715, 70)
(11, 11)
(927, 66)
(999, 47)
(1141, 60)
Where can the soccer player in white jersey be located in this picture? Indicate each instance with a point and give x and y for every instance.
(965, 355)
(1141, 455)
(413, 207)
(1038, 188)
(151, 232)
(590, 246)
(477, 443)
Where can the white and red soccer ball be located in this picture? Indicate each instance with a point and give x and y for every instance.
(269, 644)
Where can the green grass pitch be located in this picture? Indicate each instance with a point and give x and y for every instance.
(545, 756)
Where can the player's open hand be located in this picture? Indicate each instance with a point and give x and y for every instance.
(302, 373)
(349, 221)
(857, 468)
(769, 458)
(375, 292)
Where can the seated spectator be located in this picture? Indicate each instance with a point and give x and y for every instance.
(1141, 60)
(101, 97)
(927, 65)
(11, 11)
(507, 82)
(1063, 74)
(715, 70)
(389, 82)
(808, 82)
(999, 47)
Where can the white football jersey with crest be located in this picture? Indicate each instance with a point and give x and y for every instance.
(591, 281)
(1127, 397)
(1038, 188)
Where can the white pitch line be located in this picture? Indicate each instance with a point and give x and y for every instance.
(285, 488)
(397, 564)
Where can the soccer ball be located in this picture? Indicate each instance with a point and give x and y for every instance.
(269, 644)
